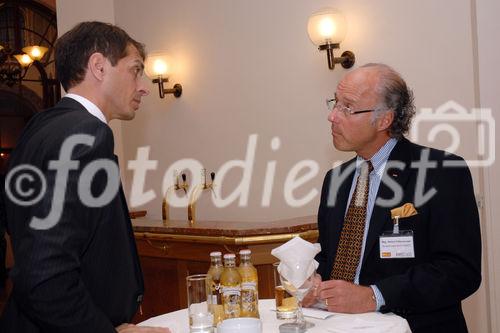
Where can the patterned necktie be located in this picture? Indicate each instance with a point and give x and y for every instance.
(351, 237)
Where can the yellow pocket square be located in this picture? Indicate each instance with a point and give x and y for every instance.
(406, 210)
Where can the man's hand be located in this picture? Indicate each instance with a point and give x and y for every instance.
(312, 296)
(130, 328)
(346, 297)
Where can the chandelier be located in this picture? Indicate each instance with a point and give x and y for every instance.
(28, 31)
(15, 65)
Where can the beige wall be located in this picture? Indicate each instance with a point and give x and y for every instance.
(248, 67)
(69, 13)
(488, 27)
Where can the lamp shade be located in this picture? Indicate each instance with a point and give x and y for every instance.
(24, 59)
(35, 52)
(327, 26)
(158, 64)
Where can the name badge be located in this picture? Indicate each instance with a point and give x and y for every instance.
(394, 246)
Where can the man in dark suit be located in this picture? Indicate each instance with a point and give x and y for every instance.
(76, 264)
(425, 266)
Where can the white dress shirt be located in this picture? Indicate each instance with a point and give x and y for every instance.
(91, 107)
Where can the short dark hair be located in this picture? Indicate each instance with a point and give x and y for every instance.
(395, 96)
(74, 48)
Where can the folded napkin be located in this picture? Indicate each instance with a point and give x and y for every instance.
(297, 260)
(316, 313)
(369, 323)
(406, 210)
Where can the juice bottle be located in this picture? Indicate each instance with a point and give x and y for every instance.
(231, 287)
(249, 286)
(214, 298)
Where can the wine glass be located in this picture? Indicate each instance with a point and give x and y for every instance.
(300, 292)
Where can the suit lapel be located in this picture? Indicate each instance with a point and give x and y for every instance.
(380, 215)
(133, 246)
(336, 212)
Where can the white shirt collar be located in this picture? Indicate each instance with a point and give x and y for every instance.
(91, 107)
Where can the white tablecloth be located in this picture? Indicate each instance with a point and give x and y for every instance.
(373, 322)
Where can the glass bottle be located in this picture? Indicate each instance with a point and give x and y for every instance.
(249, 286)
(214, 298)
(231, 287)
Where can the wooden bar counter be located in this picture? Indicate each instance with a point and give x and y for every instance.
(171, 250)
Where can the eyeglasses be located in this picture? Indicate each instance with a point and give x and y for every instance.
(332, 103)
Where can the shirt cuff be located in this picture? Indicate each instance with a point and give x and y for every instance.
(379, 299)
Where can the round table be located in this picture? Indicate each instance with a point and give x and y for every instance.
(372, 322)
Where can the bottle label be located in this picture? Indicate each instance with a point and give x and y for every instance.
(227, 291)
(231, 301)
(248, 300)
(248, 286)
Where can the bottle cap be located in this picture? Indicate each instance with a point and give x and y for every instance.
(246, 251)
(216, 254)
(229, 256)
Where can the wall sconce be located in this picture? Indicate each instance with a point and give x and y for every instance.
(158, 67)
(327, 29)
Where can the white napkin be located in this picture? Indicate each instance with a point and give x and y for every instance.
(373, 322)
(316, 313)
(297, 260)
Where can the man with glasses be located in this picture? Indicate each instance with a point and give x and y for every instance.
(398, 224)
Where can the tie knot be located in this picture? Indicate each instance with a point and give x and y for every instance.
(366, 167)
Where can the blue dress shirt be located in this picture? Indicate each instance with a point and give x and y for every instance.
(379, 160)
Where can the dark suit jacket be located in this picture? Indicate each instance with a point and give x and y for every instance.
(3, 243)
(426, 290)
(83, 274)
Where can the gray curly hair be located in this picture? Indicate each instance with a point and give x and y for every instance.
(396, 97)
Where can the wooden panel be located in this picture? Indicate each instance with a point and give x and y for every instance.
(9, 262)
(165, 272)
(266, 281)
(225, 228)
(167, 258)
(165, 284)
(9, 259)
(161, 287)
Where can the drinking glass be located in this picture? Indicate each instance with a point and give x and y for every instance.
(200, 318)
(286, 304)
(299, 293)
